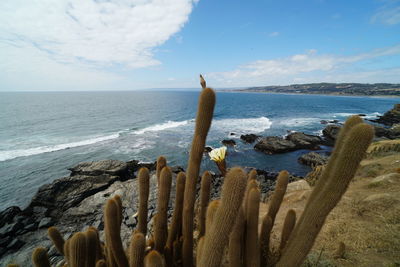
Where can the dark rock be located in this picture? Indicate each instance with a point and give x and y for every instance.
(304, 141)
(232, 134)
(362, 115)
(46, 222)
(10, 229)
(390, 117)
(294, 141)
(4, 241)
(207, 149)
(177, 169)
(31, 227)
(228, 142)
(331, 132)
(8, 214)
(324, 122)
(249, 138)
(95, 168)
(313, 159)
(15, 244)
(390, 133)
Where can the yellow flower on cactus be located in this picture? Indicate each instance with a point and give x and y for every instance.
(218, 154)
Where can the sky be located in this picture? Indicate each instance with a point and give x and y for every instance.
(83, 45)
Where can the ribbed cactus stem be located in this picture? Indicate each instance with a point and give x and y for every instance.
(313, 217)
(176, 223)
(204, 199)
(265, 234)
(279, 192)
(137, 250)
(154, 259)
(40, 257)
(161, 163)
(112, 228)
(199, 249)
(161, 223)
(92, 246)
(118, 200)
(144, 185)
(288, 225)
(77, 250)
(57, 239)
(252, 249)
(252, 175)
(203, 122)
(66, 250)
(211, 210)
(236, 240)
(217, 236)
(251, 183)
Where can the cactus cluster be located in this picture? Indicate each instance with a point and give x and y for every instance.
(228, 228)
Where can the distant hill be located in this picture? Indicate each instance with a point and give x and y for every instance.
(376, 89)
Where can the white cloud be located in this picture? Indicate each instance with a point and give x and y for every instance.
(85, 38)
(388, 14)
(296, 68)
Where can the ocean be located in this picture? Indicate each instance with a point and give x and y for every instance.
(44, 133)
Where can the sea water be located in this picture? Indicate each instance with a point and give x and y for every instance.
(44, 133)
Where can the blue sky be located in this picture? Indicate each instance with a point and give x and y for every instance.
(139, 44)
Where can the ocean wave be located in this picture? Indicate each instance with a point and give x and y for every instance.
(244, 125)
(367, 116)
(12, 154)
(297, 122)
(162, 126)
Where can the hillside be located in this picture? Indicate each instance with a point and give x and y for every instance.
(376, 89)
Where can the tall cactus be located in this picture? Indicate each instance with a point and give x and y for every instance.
(92, 245)
(137, 250)
(176, 223)
(350, 150)
(266, 227)
(112, 228)
(40, 257)
(217, 236)
(161, 224)
(161, 163)
(57, 239)
(211, 210)
(78, 250)
(279, 192)
(288, 225)
(252, 250)
(204, 199)
(203, 122)
(236, 240)
(154, 259)
(144, 185)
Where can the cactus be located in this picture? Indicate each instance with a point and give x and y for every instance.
(252, 249)
(251, 183)
(350, 150)
(217, 236)
(211, 209)
(279, 192)
(101, 263)
(92, 244)
(161, 163)
(266, 228)
(112, 228)
(236, 239)
(137, 250)
(57, 239)
(144, 185)
(154, 259)
(40, 257)
(176, 223)
(200, 244)
(204, 199)
(161, 223)
(252, 175)
(77, 250)
(203, 123)
(288, 226)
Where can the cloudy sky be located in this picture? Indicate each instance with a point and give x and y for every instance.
(139, 44)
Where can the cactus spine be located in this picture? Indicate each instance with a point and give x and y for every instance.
(40, 257)
(217, 236)
(144, 185)
(57, 239)
(154, 259)
(352, 150)
(266, 228)
(252, 250)
(204, 199)
(92, 244)
(77, 250)
(161, 163)
(203, 122)
(288, 226)
(137, 250)
(112, 219)
(176, 224)
(279, 192)
(211, 210)
(161, 223)
(236, 238)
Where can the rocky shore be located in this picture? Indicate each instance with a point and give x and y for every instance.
(75, 202)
